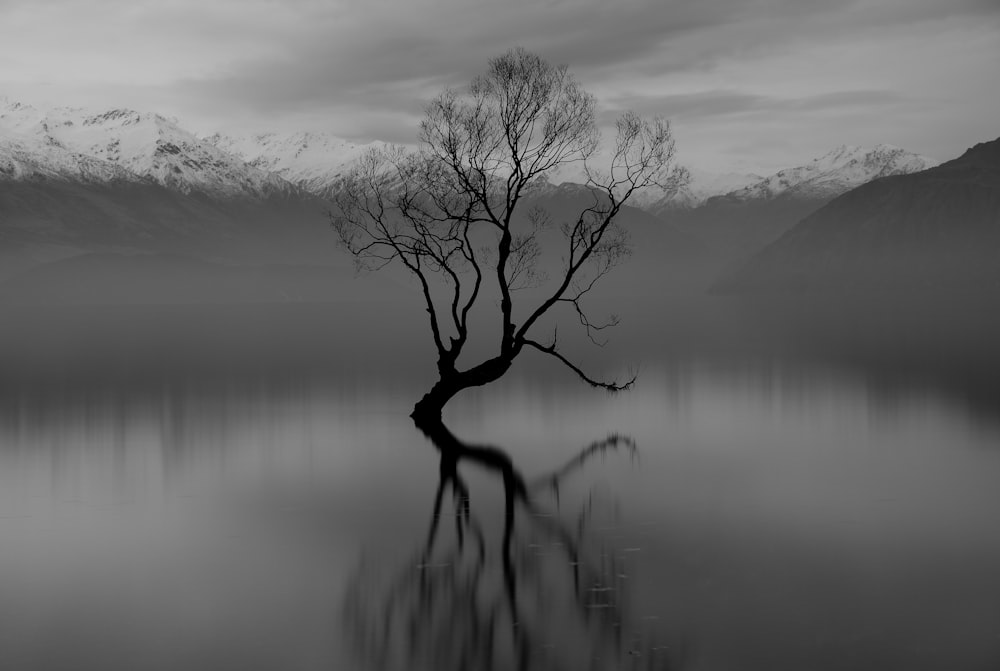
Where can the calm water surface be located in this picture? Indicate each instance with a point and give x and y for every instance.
(770, 517)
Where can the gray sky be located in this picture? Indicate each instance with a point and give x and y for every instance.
(749, 84)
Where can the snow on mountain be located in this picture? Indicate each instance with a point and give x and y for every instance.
(122, 144)
(703, 185)
(934, 229)
(73, 142)
(836, 172)
(25, 155)
(314, 161)
(828, 176)
(20, 160)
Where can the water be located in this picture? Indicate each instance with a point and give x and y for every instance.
(774, 515)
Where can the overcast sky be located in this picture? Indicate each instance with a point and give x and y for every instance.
(749, 84)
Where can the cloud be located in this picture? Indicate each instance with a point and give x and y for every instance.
(726, 103)
(366, 70)
(384, 46)
(389, 57)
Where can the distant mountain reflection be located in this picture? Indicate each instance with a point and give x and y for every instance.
(542, 584)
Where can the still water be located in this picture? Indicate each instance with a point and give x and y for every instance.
(765, 516)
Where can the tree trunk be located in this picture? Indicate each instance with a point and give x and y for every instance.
(429, 407)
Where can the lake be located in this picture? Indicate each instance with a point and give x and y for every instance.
(730, 512)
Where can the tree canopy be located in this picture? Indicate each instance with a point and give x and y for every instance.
(453, 212)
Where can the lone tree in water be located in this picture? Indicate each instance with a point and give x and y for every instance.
(453, 212)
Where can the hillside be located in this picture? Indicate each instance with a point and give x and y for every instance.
(934, 230)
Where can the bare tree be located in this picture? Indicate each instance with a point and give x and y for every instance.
(452, 213)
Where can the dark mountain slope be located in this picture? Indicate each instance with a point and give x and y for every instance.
(148, 217)
(934, 230)
(663, 258)
(732, 229)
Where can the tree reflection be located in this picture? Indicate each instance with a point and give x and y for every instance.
(541, 590)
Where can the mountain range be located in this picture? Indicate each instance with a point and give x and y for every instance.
(314, 162)
(938, 229)
(120, 181)
(122, 145)
(741, 222)
(77, 180)
(834, 173)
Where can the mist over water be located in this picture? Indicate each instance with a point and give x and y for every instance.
(241, 488)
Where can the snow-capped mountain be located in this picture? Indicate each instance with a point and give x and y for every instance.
(744, 220)
(125, 145)
(935, 229)
(703, 185)
(834, 173)
(26, 160)
(27, 152)
(122, 145)
(313, 161)
(828, 176)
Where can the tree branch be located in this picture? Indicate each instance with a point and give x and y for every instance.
(597, 384)
(449, 212)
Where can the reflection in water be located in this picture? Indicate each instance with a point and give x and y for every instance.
(551, 593)
(788, 518)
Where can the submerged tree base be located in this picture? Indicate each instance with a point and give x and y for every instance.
(427, 411)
